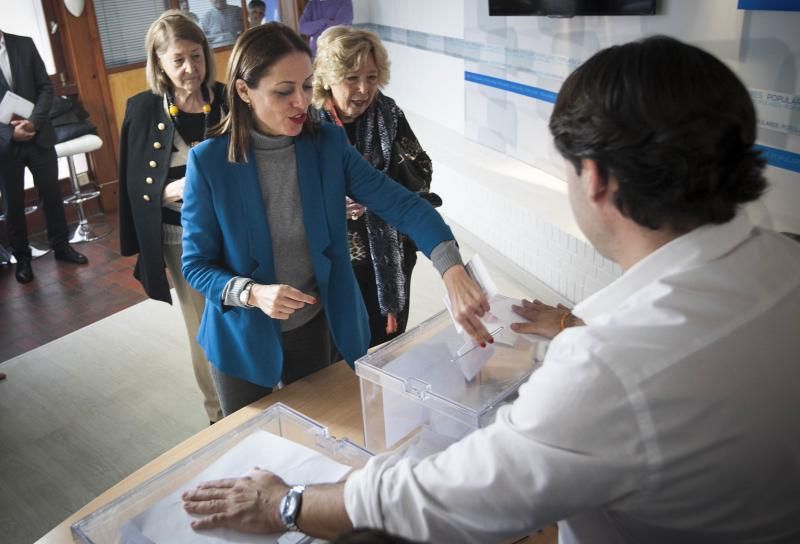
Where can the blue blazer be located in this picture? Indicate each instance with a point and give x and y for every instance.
(226, 234)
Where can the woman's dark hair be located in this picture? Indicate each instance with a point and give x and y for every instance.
(671, 123)
(256, 51)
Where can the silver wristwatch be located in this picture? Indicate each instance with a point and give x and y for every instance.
(289, 507)
(244, 295)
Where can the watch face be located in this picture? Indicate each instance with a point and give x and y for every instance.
(290, 506)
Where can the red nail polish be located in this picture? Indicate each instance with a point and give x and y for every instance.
(483, 344)
(491, 340)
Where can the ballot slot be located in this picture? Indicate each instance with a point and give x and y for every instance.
(119, 522)
(424, 390)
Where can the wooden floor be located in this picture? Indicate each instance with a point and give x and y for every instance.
(65, 297)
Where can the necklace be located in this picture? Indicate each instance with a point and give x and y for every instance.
(174, 112)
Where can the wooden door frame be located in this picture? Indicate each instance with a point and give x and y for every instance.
(81, 71)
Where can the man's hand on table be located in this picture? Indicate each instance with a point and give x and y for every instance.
(248, 504)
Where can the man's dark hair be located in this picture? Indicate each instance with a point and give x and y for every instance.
(371, 536)
(256, 4)
(671, 123)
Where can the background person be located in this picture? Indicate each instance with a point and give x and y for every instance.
(32, 145)
(319, 15)
(255, 12)
(160, 126)
(222, 23)
(640, 425)
(350, 68)
(268, 247)
(183, 5)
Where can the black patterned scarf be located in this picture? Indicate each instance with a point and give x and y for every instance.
(375, 130)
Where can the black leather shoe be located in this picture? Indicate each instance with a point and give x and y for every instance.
(24, 273)
(69, 255)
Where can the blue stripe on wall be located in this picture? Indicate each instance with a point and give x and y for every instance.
(780, 158)
(511, 86)
(775, 5)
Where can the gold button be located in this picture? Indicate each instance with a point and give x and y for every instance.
(146, 198)
(157, 145)
(161, 126)
(148, 180)
(153, 164)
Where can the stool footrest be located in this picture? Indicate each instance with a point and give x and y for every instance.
(83, 196)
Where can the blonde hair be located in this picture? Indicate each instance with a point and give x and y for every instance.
(173, 25)
(342, 50)
(256, 51)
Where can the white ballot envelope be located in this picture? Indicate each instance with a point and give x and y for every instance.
(497, 321)
(13, 105)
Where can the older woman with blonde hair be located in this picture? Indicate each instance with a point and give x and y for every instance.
(350, 70)
(160, 126)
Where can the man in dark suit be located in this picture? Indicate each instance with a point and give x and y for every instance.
(32, 144)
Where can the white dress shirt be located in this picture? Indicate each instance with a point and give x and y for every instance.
(5, 63)
(222, 26)
(670, 417)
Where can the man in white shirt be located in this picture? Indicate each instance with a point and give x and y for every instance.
(670, 414)
(222, 23)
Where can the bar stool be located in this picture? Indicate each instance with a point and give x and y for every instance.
(85, 231)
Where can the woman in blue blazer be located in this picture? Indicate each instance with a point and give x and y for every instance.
(265, 234)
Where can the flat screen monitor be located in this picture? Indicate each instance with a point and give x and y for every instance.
(571, 8)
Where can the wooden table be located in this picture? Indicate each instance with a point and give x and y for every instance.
(331, 397)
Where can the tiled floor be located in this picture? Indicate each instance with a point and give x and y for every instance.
(65, 297)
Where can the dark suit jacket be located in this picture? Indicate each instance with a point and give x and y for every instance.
(5, 139)
(140, 220)
(32, 83)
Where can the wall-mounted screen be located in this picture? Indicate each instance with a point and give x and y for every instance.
(571, 8)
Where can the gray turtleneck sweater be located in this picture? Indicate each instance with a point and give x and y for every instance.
(280, 190)
(277, 173)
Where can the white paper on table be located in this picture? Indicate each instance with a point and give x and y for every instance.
(167, 521)
(13, 104)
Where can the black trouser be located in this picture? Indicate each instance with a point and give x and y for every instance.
(43, 164)
(306, 350)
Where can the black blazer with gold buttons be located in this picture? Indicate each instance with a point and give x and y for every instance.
(145, 148)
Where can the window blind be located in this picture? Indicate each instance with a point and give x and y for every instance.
(123, 25)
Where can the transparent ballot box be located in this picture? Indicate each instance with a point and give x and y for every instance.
(279, 439)
(432, 386)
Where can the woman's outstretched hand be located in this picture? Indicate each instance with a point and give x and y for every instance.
(468, 303)
(279, 301)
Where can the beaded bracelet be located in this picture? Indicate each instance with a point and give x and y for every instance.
(564, 319)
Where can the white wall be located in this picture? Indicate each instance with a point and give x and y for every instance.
(27, 19)
(510, 196)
